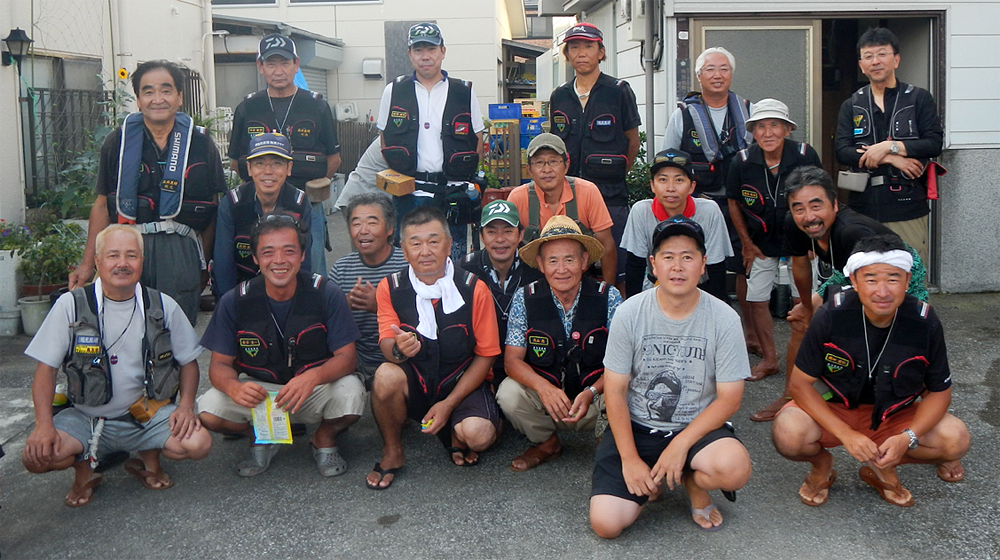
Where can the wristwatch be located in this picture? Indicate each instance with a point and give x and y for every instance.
(593, 390)
(399, 355)
(894, 148)
(913, 438)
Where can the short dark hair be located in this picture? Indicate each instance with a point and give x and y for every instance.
(810, 176)
(379, 200)
(276, 221)
(879, 244)
(175, 70)
(422, 215)
(878, 37)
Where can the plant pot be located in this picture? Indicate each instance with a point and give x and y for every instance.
(8, 280)
(10, 322)
(33, 312)
(42, 290)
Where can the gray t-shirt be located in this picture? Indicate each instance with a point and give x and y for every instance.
(674, 366)
(641, 222)
(674, 133)
(52, 342)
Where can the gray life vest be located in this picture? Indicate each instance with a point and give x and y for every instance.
(87, 368)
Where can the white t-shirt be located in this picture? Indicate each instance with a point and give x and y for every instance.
(430, 153)
(673, 366)
(51, 344)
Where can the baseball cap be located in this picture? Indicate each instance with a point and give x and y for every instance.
(671, 157)
(425, 33)
(270, 143)
(584, 32)
(677, 225)
(276, 44)
(546, 140)
(500, 210)
(769, 109)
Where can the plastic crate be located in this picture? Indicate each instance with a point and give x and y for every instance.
(532, 126)
(503, 111)
(504, 156)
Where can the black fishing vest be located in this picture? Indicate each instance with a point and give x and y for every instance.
(244, 210)
(710, 176)
(458, 138)
(897, 198)
(765, 217)
(534, 228)
(440, 363)
(87, 368)
(572, 365)
(899, 379)
(264, 354)
(198, 207)
(302, 127)
(595, 136)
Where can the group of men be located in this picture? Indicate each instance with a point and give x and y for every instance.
(519, 330)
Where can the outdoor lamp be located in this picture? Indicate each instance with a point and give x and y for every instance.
(18, 43)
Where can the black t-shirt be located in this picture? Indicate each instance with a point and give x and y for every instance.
(309, 124)
(811, 356)
(848, 228)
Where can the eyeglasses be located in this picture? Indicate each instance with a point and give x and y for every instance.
(712, 70)
(282, 218)
(272, 164)
(881, 55)
(551, 163)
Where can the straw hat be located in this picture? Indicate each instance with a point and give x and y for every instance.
(561, 227)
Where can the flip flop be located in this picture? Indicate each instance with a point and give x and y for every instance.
(706, 512)
(381, 474)
(830, 479)
(81, 500)
(533, 457)
(870, 478)
(137, 468)
(466, 461)
(944, 475)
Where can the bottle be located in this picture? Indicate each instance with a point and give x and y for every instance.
(59, 397)
(472, 190)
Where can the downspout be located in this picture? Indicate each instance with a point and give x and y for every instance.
(208, 57)
(647, 63)
(124, 54)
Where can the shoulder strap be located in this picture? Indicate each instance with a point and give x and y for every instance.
(533, 217)
(571, 205)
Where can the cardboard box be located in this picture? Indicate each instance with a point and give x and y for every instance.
(394, 183)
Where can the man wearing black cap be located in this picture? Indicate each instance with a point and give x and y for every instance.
(147, 179)
(596, 115)
(270, 164)
(673, 377)
(431, 125)
(301, 115)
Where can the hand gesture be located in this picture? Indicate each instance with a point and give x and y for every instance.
(362, 297)
(407, 342)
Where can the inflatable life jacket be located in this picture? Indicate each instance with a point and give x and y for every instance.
(87, 368)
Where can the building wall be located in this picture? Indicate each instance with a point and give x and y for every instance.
(472, 31)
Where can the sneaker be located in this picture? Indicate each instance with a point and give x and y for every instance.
(328, 461)
(260, 460)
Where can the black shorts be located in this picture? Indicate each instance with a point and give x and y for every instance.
(480, 403)
(608, 477)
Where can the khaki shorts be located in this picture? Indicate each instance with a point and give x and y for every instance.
(763, 274)
(344, 397)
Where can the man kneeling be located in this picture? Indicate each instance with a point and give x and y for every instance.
(673, 376)
(127, 350)
(889, 382)
(288, 332)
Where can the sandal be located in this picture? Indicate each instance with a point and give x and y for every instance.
(260, 460)
(469, 458)
(328, 461)
(137, 468)
(706, 513)
(533, 457)
(78, 496)
(830, 479)
(382, 473)
(870, 477)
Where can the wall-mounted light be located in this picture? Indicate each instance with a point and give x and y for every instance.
(373, 68)
(18, 44)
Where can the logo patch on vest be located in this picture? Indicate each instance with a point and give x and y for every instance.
(302, 132)
(539, 345)
(835, 363)
(255, 130)
(250, 345)
(560, 122)
(243, 249)
(858, 119)
(168, 185)
(165, 356)
(750, 196)
(398, 117)
(602, 122)
(694, 138)
(87, 345)
(461, 129)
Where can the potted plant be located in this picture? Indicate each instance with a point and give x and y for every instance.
(13, 238)
(46, 263)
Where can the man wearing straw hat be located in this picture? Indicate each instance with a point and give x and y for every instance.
(556, 335)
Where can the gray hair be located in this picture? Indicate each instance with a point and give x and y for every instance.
(102, 237)
(713, 50)
(379, 200)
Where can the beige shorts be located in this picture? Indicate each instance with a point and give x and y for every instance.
(344, 397)
(763, 274)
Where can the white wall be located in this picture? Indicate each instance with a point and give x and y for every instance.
(472, 31)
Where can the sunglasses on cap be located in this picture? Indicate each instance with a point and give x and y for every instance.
(671, 157)
(678, 221)
(282, 218)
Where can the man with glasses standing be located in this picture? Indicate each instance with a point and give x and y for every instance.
(270, 164)
(889, 130)
(304, 117)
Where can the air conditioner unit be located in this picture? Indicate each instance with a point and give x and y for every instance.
(346, 111)
(373, 68)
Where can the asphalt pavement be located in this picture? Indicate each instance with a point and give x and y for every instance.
(437, 510)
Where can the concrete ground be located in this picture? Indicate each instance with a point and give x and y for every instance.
(436, 510)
